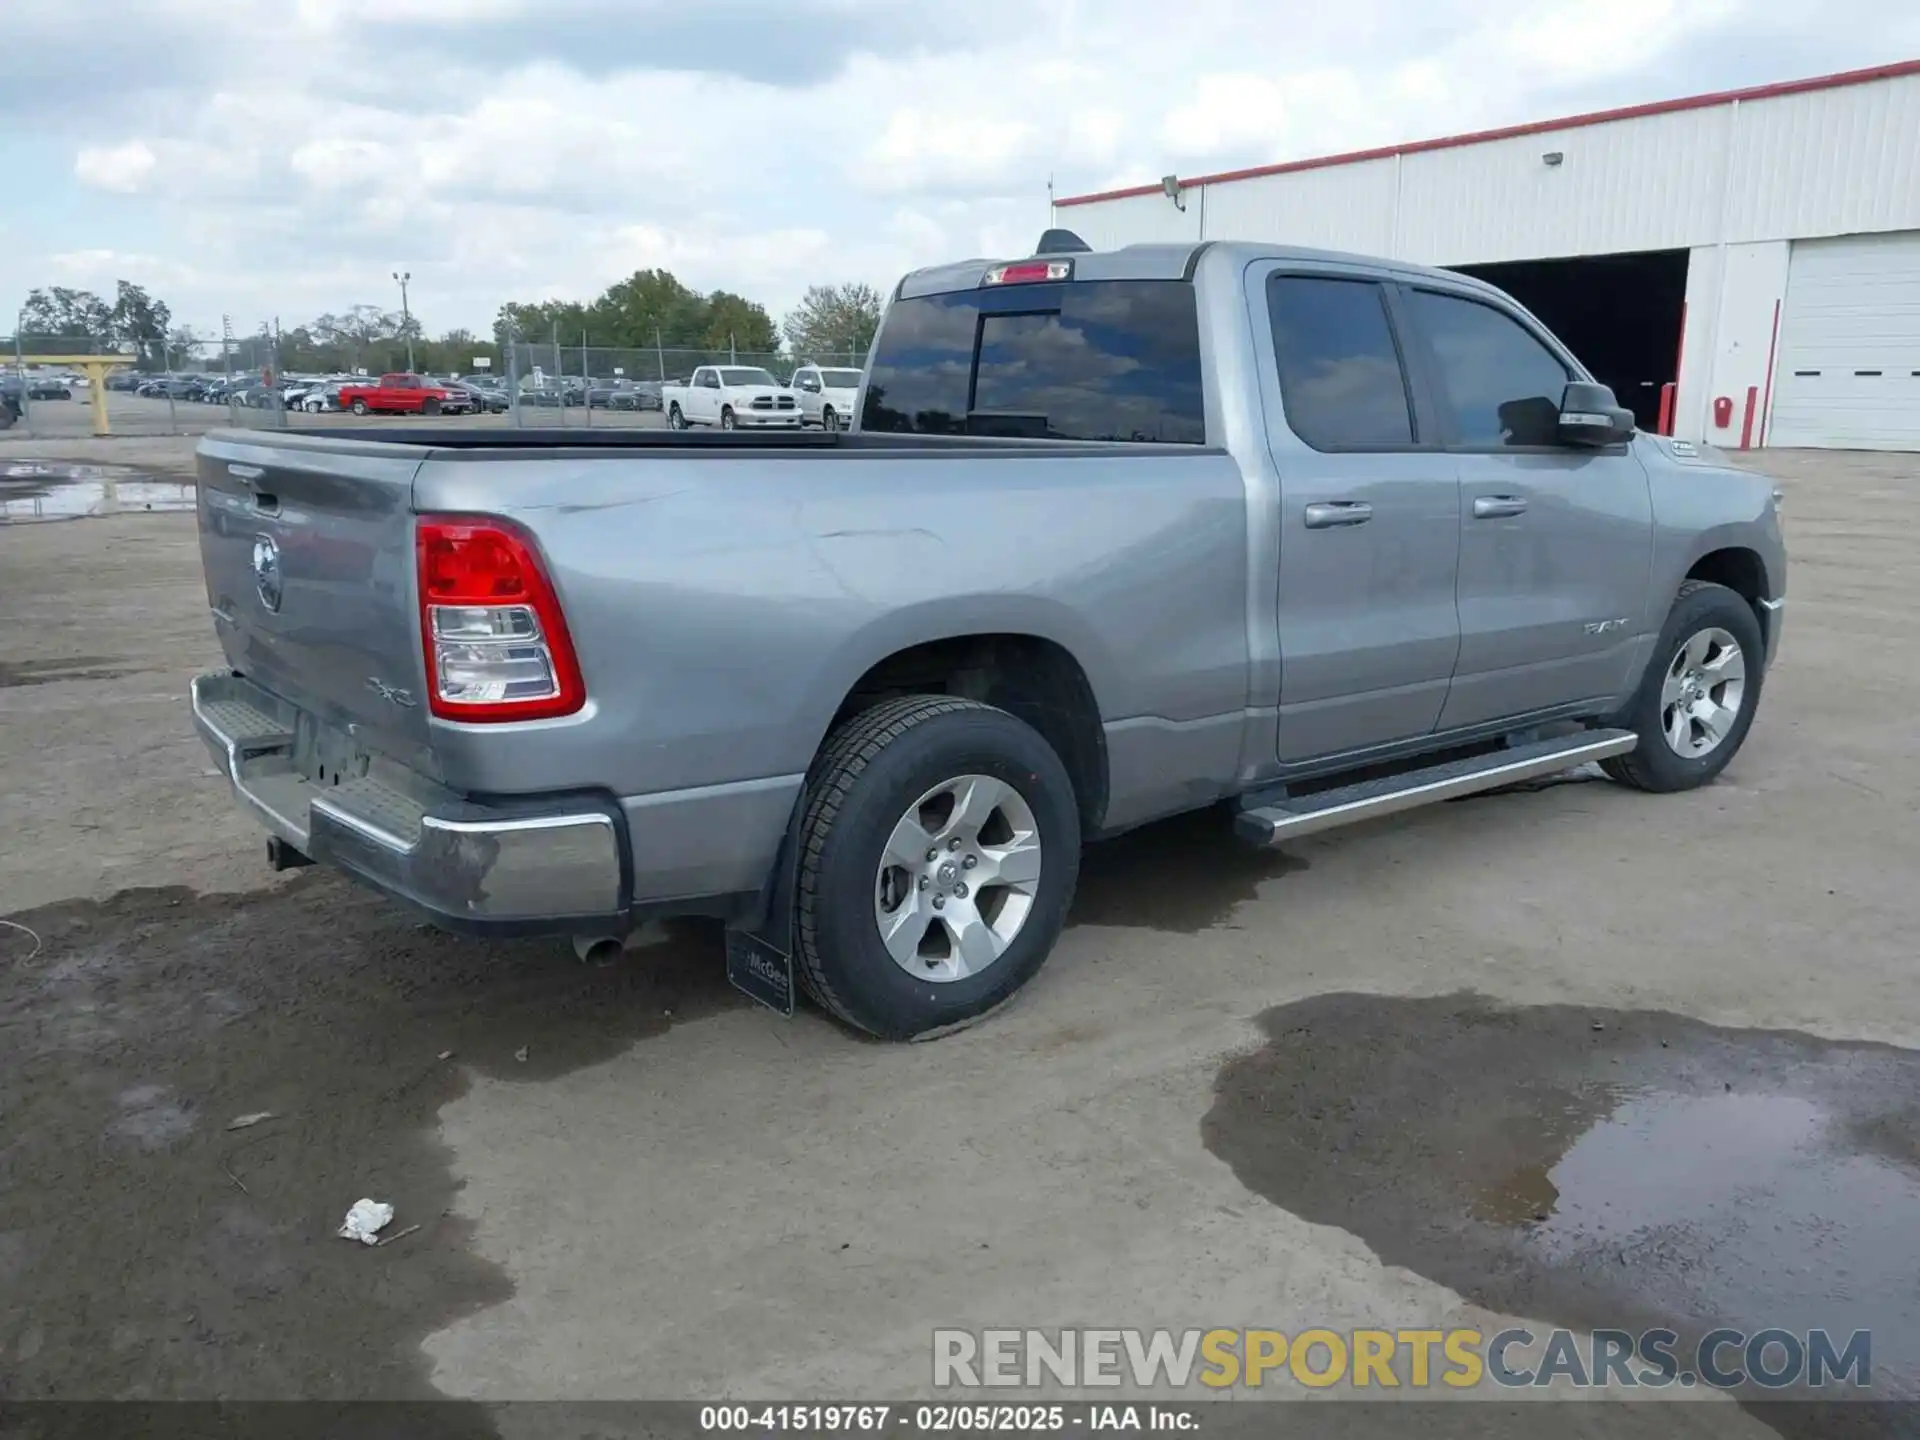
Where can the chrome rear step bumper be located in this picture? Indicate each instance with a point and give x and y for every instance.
(1371, 799)
(539, 866)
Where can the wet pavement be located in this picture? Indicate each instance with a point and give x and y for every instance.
(1604, 1169)
(139, 1029)
(55, 490)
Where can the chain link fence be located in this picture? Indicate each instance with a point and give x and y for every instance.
(47, 388)
(45, 392)
(561, 384)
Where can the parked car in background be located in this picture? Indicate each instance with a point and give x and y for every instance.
(399, 394)
(255, 396)
(48, 387)
(605, 394)
(320, 399)
(480, 399)
(124, 380)
(732, 397)
(826, 394)
(10, 388)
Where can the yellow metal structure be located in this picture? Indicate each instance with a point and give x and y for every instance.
(96, 368)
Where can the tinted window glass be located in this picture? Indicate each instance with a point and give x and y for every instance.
(1501, 384)
(1340, 374)
(1093, 360)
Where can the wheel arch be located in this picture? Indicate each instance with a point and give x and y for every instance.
(1740, 569)
(1032, 676)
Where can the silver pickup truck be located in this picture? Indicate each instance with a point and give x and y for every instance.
(1310, 536)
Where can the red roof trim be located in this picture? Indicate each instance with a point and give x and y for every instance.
(1538, 127)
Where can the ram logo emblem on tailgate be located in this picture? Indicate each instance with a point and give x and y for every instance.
(392, 694)
(266, 571)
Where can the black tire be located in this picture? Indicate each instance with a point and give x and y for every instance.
(868, 773)
(829, 420)
(676, 420)
(359, 407)
(1653, 764)
(726, 417)
(430, 406)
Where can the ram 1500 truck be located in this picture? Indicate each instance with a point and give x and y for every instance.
(827, 394)
(402, 394)
(1309, 536)
(732, 397)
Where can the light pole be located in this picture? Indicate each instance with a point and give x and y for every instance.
(406, 315)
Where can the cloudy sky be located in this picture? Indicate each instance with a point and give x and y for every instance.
(283, 157)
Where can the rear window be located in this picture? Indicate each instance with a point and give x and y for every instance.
(1087, 360)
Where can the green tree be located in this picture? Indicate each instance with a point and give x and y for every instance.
(735, 322)
(141, 321)
(833, 320)
(648, 303)
(60, 314)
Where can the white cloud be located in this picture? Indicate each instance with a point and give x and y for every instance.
(123, 168)
(277, 160)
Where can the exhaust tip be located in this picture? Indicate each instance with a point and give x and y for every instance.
(597, 949)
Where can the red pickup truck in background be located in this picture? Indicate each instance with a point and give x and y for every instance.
(399, 394)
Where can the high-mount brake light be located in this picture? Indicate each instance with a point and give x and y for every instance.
(496, 643)
(1028, 272)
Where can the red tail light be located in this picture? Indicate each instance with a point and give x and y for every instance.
(496, 643)
(1026, 272)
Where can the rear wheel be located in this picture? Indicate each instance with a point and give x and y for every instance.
(939, 851)
(726, 417)
(829, 419)
(675, 420)
(1697, 699)
(359, 407)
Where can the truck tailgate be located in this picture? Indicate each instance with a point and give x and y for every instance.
(308, 552)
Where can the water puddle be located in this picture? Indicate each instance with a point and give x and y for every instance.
(1605, 1169)
(55, 490)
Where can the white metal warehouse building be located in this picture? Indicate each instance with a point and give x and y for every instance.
(1757, 250)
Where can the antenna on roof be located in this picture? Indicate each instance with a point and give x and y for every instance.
(1062, 242)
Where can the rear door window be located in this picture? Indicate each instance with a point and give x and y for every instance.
(1076, 360)
(1340, 373)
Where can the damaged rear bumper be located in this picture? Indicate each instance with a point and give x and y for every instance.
(531, 865)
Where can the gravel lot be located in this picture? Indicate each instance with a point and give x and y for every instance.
(1387, 1077)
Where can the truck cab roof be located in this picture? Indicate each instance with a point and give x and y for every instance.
(1162, 261)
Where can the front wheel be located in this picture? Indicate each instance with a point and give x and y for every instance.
(726, 417)
(939, 851)
(1697, 699)
(829, 419)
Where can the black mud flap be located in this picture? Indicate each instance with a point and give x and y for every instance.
(760, 945)
(760, 971)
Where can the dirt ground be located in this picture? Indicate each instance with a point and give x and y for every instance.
(1311, 1087)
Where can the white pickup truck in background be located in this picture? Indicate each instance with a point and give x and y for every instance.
(827, 395)
(734, 397)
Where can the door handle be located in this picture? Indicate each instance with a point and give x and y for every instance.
(1493, 507)
(1325, 514)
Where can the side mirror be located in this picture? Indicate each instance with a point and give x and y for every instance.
(1589, 415)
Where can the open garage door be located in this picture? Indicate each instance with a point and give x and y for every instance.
(1848, 373)
(1621, 314)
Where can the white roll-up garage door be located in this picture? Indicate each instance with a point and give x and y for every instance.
(1848, 372)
